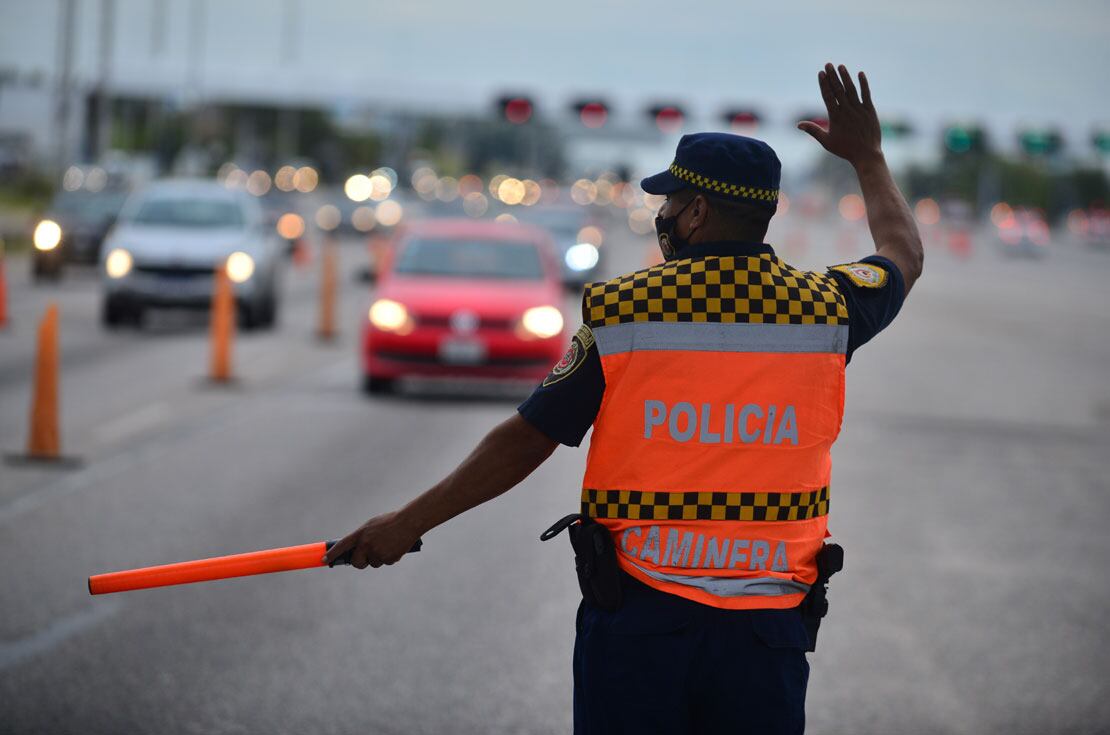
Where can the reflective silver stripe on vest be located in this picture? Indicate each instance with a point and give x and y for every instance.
(732, 586)
(716, 337)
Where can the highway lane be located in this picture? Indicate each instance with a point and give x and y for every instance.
(969, 493)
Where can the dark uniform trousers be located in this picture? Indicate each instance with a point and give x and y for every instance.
(664, 664)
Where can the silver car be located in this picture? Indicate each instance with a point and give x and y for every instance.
(170, 238)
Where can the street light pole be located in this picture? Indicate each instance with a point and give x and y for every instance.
(194, 83)
(103, 137)
(63, 84)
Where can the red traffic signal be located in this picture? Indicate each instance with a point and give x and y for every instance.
(821, 118)
(742, 120)
(592, 113)
(516, 109)
(668, 118)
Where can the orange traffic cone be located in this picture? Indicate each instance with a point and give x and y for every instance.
(44, 439)
(302, 256)
(959, 243)
(329, 282)
(377, 246)
(221, 328)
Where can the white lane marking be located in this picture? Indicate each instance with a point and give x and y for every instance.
(13, 653)
(146, 417)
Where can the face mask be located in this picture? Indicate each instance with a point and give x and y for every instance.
(669, 242)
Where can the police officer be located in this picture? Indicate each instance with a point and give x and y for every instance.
(714, 383)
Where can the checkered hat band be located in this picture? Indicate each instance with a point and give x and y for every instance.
(705, 506)
(722, 187)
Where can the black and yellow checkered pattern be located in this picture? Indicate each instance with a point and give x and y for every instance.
(729, 289)
(705, 506)
(723, 187)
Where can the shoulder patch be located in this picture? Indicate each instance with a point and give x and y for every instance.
(864, 275)
(575, 355)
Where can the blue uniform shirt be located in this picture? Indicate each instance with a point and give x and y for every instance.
(565, 405)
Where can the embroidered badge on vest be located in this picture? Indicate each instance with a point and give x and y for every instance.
(864, 275)
(575, 355)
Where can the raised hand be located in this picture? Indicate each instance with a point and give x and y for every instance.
(854, 133)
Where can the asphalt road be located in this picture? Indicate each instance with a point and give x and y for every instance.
(970, 493)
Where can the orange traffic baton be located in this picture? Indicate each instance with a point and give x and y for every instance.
(266, 561)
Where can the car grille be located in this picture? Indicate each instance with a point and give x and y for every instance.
(488, 362)
(174, 271)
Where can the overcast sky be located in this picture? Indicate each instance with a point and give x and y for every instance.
(1008, 62)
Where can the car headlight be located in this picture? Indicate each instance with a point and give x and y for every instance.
(542, 321)
(240, 266)
(118, 263)
(390, 316)
(581, 257)
(48, 234)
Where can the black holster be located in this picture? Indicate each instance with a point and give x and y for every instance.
(830, 560)
(595, 559)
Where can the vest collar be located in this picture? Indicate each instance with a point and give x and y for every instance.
(724, 247)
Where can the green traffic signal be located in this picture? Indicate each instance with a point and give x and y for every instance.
(958, 140)
(1041, 142)
(896, 129)
(1101, 141)
(965, 139)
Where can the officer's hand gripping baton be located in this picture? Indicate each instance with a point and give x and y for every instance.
(266, 561)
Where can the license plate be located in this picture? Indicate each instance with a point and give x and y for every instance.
(462, 352)
(181, 286)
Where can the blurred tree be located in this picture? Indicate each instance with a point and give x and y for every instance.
(1091, 185)
(920, 182)
(360, 150)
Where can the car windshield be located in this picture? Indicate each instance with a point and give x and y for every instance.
(89, 206)
(561, 226)
(471, 259)
(189, 213)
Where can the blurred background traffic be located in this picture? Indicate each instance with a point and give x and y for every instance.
(406, 201)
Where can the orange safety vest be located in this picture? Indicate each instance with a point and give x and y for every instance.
(710, 456)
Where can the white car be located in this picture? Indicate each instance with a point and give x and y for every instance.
(169, 240)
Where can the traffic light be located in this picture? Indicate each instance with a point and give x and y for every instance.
(741, 120)
(592, 112)
(668, 118)
(1041, 142)
(516, 109)
(821, 118)
(961, 139)
(1101, 141)
(894, 129)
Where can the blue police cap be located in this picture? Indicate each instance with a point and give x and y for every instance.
(721, 164)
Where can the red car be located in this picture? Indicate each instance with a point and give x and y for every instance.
(465, 298)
